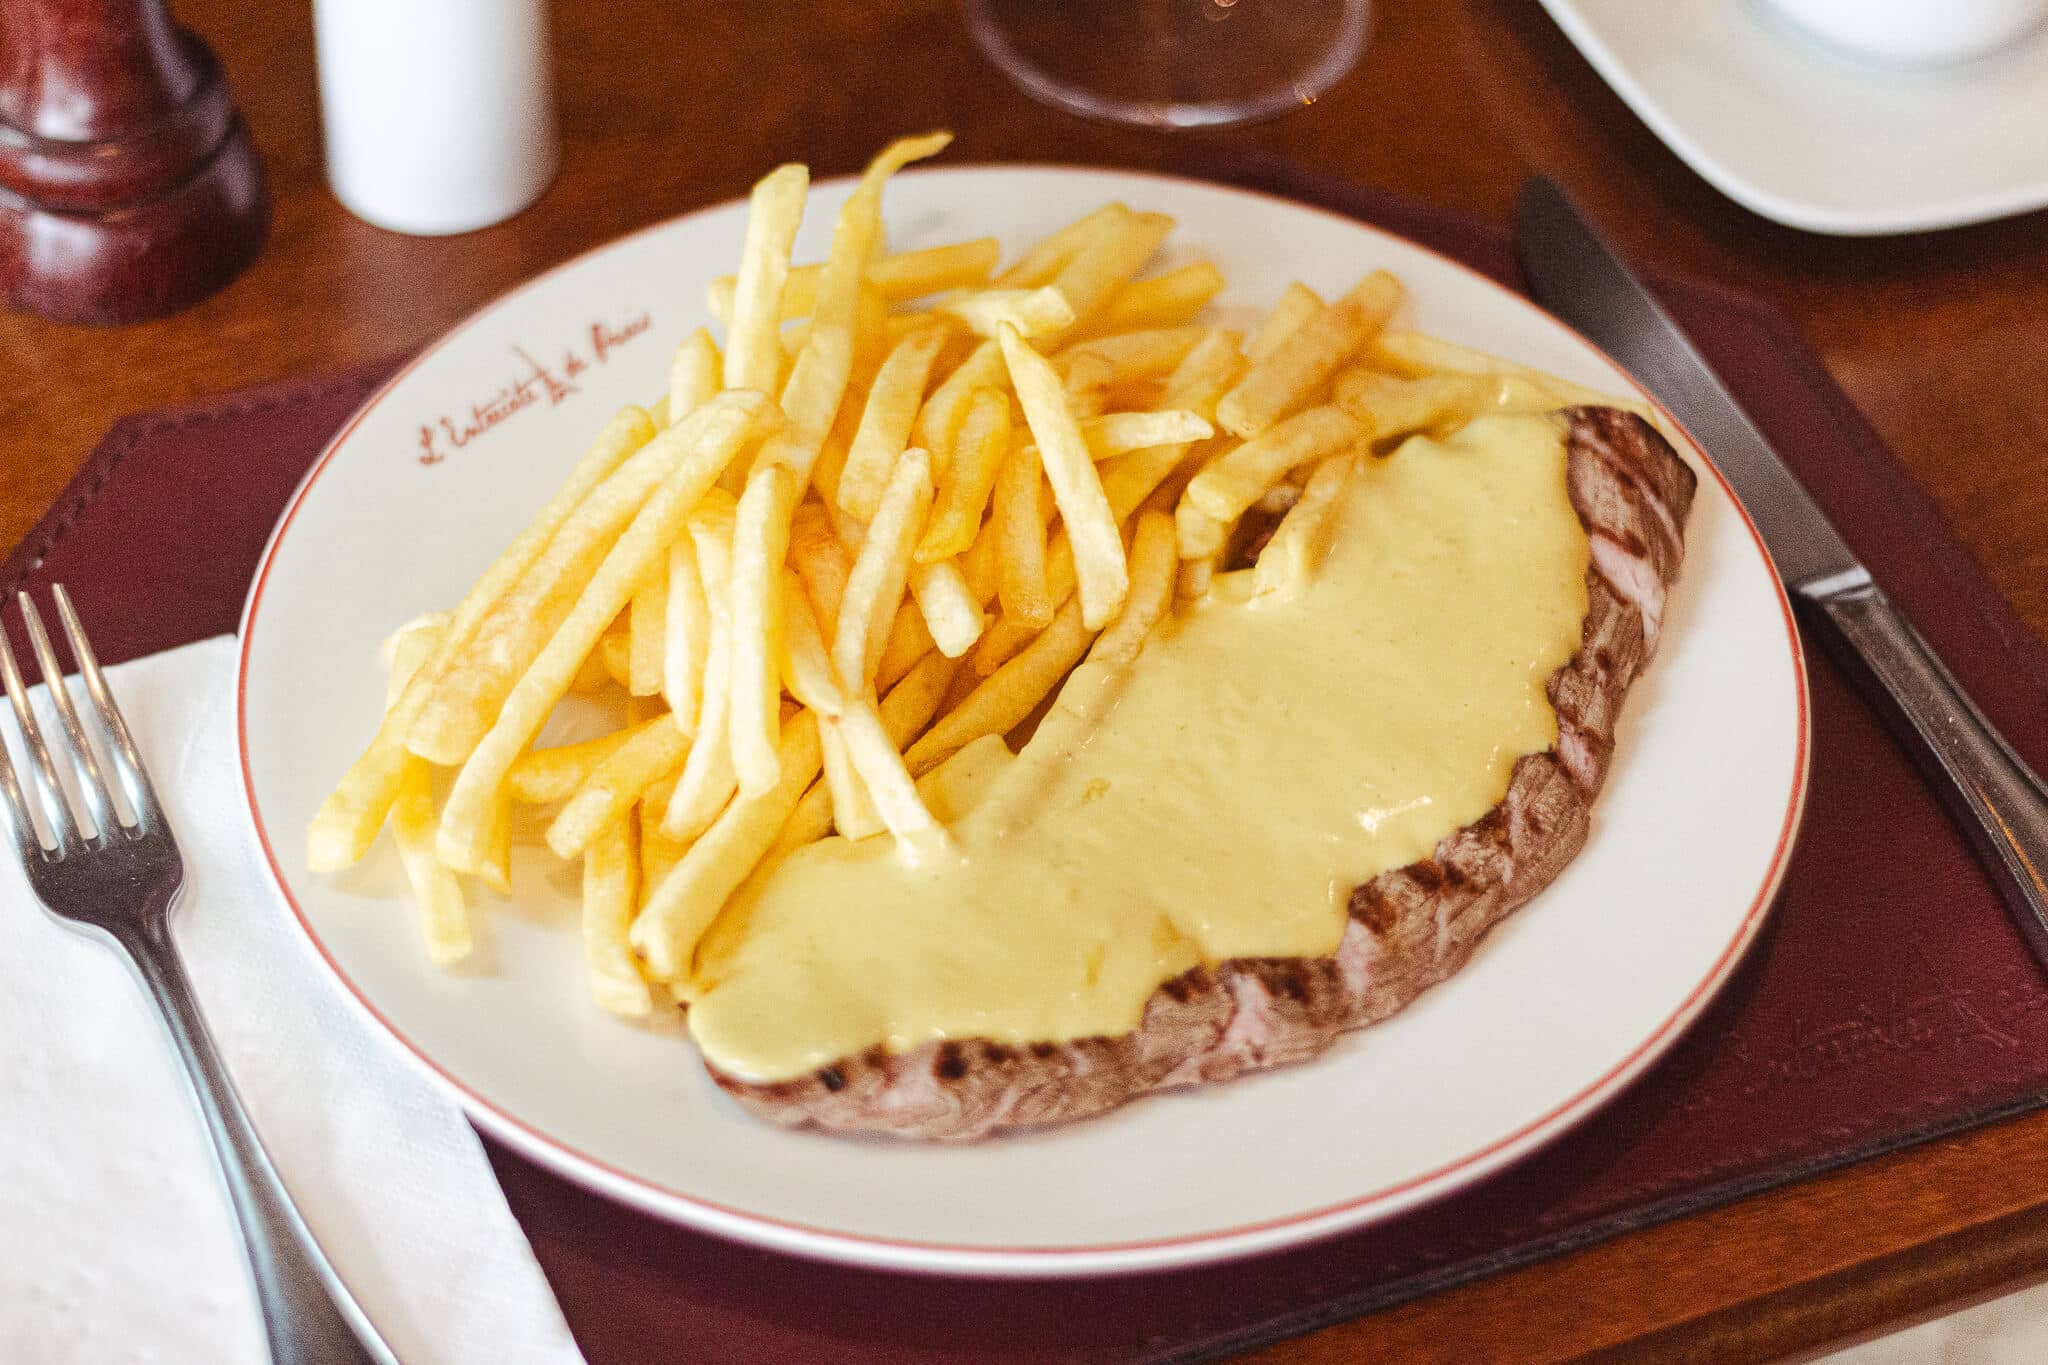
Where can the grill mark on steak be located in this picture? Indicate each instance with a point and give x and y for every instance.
(1406, 929)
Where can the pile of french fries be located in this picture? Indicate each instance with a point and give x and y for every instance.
(885, 521)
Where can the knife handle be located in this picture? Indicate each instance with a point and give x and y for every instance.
(2006, 802)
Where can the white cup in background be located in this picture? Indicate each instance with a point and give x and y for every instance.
(1914, 32)
(439, 115)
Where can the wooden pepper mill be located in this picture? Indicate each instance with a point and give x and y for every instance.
(128, 184)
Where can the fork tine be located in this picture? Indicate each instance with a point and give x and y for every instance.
(56, 810)
(19, 818)
(92, 785)
(126, 758)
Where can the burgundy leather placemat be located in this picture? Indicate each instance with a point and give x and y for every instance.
(1886, 1001)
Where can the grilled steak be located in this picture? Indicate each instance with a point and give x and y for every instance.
(1408, 929)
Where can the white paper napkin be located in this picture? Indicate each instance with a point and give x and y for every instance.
(115, 1237)
(2011, 1329)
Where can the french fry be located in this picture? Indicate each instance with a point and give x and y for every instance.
(689, 898)
(494, 867)
(852, 814)
(1153, 566)
(1199, 535)
(873, 336)
(891, 409)
(811, 397)
(615, 652)
(1277, 500)
(760, 544)
(1099, 567)
(1205, 374)
(908, 643)
(904, 275)
(878, 332)
(951, 611)
(1290, 375)
(1086, 383)
(1135, 355)
(1303, 535)
(821, 562)
(1020, 526)
(830, 464)
(1048, 257)
(711, 438)
(907, 708)
(611, 874)
(909, 704)
(1033, 312)
(1235, 480)
(1390, 407)
(473, 686)
(658, 852)
(1195, 386)
(981, 565)
(708, 778)
(1298, 303)
(963, 493)
(753, 347)
(810, 400)
(887, 782)
(1118, 433)
(1165, 300)
(1415, 354)
(407, 649)
(1108, 261)
(693, 376)
(1006, 697)
(874, 587)
(348, 820)
(686, 635)
(655, 751)
(444, 920)
(938, 422)
(647, 633)
(806, 664)
(554, 774)
(927, 270)
(592, 676)
(957, 785)
(1127, 481)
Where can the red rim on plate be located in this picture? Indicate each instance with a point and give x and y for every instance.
(1100, 1257)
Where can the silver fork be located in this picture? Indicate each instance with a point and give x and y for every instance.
(118, 884)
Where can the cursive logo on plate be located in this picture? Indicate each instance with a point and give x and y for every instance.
(531, 385)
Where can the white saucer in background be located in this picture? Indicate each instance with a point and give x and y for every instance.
(1803, 136)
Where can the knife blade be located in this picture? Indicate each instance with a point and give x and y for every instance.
(1573, 274)
(1998, 801)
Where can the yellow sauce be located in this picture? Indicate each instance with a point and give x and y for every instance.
(1218, 799)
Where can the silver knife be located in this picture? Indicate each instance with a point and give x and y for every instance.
(2002, 805)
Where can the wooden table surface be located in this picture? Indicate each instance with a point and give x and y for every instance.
(672, 104)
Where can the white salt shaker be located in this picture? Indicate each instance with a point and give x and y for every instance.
(439, 114)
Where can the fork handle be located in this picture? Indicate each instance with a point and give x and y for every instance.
(309, 1316)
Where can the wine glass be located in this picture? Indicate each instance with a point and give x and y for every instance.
(1172, 63)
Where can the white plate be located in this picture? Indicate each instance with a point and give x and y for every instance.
(1559, 1008)
(1782, 125)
